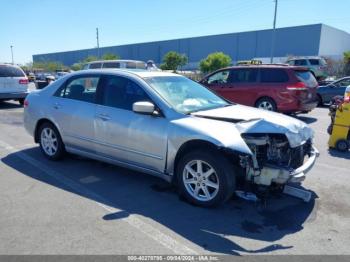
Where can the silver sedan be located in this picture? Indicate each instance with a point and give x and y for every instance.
(169, 126)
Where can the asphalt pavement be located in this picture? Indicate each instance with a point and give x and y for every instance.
(82, 206)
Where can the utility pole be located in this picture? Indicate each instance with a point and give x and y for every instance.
(98, 44)
(273, 33)
(12, 54)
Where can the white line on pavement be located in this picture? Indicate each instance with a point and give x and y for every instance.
(147, 229)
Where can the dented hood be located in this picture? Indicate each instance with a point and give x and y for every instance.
(252, 120)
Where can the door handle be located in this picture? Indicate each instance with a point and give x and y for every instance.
(104, 117)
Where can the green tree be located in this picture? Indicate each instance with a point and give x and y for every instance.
(347, 63)
(214, 61)
(49, 65)
(110, 56)
(90, 58)
(173, 60)
(76, 66)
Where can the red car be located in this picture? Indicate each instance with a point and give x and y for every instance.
(280, 88)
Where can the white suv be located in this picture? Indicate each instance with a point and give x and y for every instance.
(13, 83)
(112, 64)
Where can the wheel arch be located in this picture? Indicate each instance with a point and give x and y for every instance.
(197, 144)
(37, 127)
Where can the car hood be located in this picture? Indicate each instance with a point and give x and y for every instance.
(251, 120)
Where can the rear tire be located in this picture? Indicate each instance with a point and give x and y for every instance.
(50, 141)
(205, 178)
(319, 101)
(266, 103)
(21, 101)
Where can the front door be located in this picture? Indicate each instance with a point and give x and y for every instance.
(124, 135)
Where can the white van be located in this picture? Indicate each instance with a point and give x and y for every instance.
(130, 64)
(13, 83)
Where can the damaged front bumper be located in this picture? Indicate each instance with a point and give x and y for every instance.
(298, 175)
(281, 175)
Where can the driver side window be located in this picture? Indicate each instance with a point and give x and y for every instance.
(120, 92)
(219, 78)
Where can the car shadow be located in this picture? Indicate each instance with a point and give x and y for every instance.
(339, 154)
(306, 119)
(217, 230)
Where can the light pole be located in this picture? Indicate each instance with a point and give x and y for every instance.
(273, 33)
(98, 44)
(12, 54)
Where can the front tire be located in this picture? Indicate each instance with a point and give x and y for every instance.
(205, 178)
(266, 103)
(50, 141)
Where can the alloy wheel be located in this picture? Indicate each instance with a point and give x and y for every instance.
(200, 180)
(266, 105)
(48, 141)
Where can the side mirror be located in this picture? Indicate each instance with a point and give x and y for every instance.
(143, 107)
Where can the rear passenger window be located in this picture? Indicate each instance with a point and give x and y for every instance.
(95, 66)
(271, 75)
(243, 76)
(314, 62)
(301, 62)
(111, 65)
(120, 92)
(82, 89)
(10, 71)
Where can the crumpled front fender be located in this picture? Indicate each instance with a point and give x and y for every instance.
(219, 133)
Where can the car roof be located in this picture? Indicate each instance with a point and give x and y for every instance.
(283, 66)
(9, 65)
(115, 60)
(128, 72)
(305, 58)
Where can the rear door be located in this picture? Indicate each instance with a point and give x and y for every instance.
(73, 108)
(243, 85)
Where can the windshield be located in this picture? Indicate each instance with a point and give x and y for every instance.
(185, 95)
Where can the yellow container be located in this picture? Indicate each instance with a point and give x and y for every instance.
(340, 133)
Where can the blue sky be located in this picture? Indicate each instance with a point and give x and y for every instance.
(44, 26)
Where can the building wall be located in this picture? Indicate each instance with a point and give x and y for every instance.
(300, 40)
(334, 42)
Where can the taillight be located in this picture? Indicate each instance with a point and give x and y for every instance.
(23, 81)
(299, 86)
(25, 103)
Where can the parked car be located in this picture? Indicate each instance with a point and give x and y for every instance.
(169, 126)
(43, 75)
(327, 92)
(60, 74)
(317, 65)
(130, 64)
(31, 77)
(278, 88)
(13, 83)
